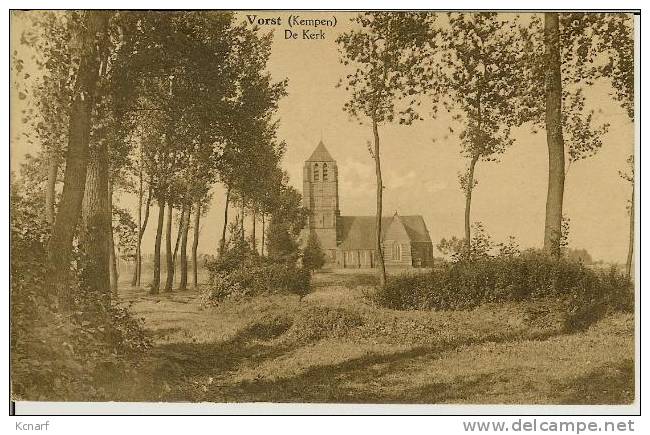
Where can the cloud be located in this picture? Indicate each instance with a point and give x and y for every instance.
(433, 186)
(394, 180)
(356, 176)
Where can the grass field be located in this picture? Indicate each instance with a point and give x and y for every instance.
(333, 346)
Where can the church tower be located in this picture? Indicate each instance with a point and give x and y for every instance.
(321, 197)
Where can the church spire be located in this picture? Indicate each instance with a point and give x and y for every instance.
(320, 154)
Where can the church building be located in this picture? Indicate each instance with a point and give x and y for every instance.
(349, 241)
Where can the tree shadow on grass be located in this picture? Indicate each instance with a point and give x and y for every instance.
(371, 378)
(186, 371)
(461, 389)
(171, 371)
(333, 383)
(606, 385)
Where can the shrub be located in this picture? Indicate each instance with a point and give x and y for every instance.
(236, 252)
(281, 241)
(316, 323)
(313, 256)
(456, 250)
(59, 355)
(69, 357)
(234, 276)
(583, 294)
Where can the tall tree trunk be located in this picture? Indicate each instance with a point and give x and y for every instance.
(138, 254)
(179, 234)
(222, 243)
(243, 220)
(114, 274)
(254, 235)
(468, 206)
(113, 259)
(185, 230)
(59, 247)
(195, 247)
(263, 231)
(380, 189)
(554, 138)
(155, 284)
(169, 284)
(137, 274)
(50, 190)
(630, 248)
(96, 224)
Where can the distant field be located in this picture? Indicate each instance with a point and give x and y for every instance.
(335, 347)
(126, 269)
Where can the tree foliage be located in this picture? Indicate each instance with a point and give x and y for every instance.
(483, 59)
(313, 257)
(386, 52)
(288, 218)
(582, 44)
(483, 56)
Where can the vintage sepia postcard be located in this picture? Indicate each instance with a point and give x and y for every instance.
(431, 208)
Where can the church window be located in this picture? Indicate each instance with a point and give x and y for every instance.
(324, 171)
(397, 252)
(316, 172)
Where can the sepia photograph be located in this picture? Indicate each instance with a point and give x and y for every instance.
(378, 207)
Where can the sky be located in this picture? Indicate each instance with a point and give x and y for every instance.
(421, 162)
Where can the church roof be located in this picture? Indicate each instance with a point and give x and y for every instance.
(320, 154)
(416, 228)
(358, 232)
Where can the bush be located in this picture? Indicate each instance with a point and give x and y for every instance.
(58, 355)
(235, 276)
(481, 246)
(584, 294)
(316, 323)
(313, 257)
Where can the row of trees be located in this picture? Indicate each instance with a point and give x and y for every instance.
(492, 72)
(160, 105)
(164, 105)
